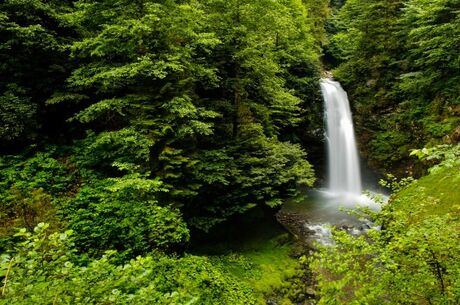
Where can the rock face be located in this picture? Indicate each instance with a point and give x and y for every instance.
(305, 234)
(295, 224)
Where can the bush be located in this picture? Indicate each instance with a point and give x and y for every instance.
(413, 259)
(44, 269)
(29, 188)
(123, 214)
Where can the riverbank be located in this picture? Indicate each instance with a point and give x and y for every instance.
(262, 256)
(414, 257)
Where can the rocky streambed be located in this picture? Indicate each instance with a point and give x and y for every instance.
(310, 219)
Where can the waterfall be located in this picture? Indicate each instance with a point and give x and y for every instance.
(343, 163)
(323, 208)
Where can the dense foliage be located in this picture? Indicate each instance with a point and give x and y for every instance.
(137, 124)
(399, 62)
(33, 53)
(131, 131)
(45, 269)
(165, 116)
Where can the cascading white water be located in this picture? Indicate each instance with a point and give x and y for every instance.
(343, 163)
(323, 208)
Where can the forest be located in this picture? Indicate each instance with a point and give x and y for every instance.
(148, 149)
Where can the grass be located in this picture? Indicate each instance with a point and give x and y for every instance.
(257, 254)
(441, 188)
(265, 267)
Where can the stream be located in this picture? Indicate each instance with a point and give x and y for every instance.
(311, 216)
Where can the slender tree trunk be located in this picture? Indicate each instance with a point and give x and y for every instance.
(438, 271)
(236, 106)
(154, 156)
(237, 86)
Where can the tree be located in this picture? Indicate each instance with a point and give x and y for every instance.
(433, 33)
(397, 61)
(33, 52)
(196, 84)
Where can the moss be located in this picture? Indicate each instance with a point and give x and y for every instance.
(389, 146)
(259, 256)
(438, 128)
(265, 266)
(441, 187)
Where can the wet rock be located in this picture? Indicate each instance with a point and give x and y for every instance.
(364, 227)
(345, 227)
(311, 291)
(295, 224)
(308, 302)
(271, 302)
